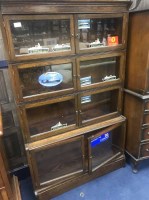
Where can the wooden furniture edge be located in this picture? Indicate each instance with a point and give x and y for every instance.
(16, 188)
(1, 124)
(74, 133)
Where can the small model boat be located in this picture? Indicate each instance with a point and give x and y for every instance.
(38, 49)
(59, 47)
(109, 78)
(95, 44)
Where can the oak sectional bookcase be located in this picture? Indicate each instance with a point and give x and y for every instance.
(67, 66)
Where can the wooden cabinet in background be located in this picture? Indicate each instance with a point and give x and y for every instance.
(136, 98)
(137, 71)
(137, 114)
(9, 186)
(13, 141)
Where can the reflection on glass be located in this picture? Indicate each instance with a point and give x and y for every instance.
(51, 117)
(106, 147)
(98, 33)
(99, 104)
(99, 70)
(40, 36)
(45, 79)
(62, 160)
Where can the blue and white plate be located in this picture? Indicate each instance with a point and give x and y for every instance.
(50, 79)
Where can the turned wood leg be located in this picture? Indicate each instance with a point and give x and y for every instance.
(135, 166)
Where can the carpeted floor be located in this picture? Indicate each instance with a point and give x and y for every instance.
(121, 184)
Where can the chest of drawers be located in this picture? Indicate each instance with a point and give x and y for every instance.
(137, 87)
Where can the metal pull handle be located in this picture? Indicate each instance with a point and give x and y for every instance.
(147, 133)
(147, 150)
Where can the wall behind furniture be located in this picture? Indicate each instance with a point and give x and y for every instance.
(144, 5)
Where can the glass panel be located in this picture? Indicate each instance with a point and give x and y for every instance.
(51, 117)
(106, 147)
(99, 70)
(40, 36)
(100, 104)
(99, 32)
(59, 161)
(44, 79)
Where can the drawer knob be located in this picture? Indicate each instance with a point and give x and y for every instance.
(148, 133)
(147, 150)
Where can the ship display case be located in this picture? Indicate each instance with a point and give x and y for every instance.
(67, 65)
(46, 79)
(33, 37)
(100, 70)
(99, 105)
(101, 32)
(47, 118)
(39, 36)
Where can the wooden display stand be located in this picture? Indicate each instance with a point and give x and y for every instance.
(67, 65)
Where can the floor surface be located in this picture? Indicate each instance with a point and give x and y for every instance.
(121, 184)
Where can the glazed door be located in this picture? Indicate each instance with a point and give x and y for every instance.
(99, 105)
(106, 146)
(58, 162)
(43, 79)
(100, 70)
(48, 118)
(97, 32)
(32, 37)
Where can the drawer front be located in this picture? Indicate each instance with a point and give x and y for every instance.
(145, 134)
(144, 151)
(146, 107)
(146, 118)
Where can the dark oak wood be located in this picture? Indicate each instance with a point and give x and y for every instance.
(137, 77)
(137, 139)
(137, 88)
(73, 132)
(62, 151)
(74, 10)
(39, 6)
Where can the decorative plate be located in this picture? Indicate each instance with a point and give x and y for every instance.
(50, 79)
